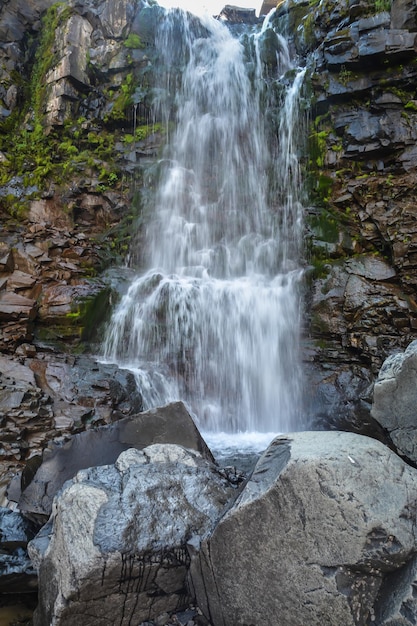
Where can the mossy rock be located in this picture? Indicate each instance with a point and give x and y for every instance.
(77, 319)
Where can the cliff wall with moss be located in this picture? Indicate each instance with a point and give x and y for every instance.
(77, 81)
(361, 168)
(75, 126)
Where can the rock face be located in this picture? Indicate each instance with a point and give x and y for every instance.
(395, 401)
(101, 446)
(47, 396)
(362, 182)
(67, 96)
(117, 540)
(323, 533)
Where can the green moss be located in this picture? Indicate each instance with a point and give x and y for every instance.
(344, 76)
(83, 323)
(308, 30)
(29, 155)
(324, 226)
(133, 41)
(38, 155)
(14, 206)
(123, 100)
(411, 105)
(87, 314)
(44, 60)
(320, 268)
(141, 133)
(382, 5)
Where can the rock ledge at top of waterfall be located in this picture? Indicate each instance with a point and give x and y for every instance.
(238, 15)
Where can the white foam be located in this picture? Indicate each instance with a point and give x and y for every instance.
(245, 443)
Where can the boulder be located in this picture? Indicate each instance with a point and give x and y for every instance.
(116, 543)
(101, 446)
(395, 401)
(323, 533)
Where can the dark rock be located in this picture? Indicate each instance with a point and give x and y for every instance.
(238, 15)
(17, 573)
(14, 307)
(50, 396)
(19, 16)
(404, 15)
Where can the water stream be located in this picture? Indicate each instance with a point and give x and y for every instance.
(214, 320)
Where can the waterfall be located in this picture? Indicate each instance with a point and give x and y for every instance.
(215, 319)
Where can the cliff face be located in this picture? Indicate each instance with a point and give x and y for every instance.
(74, 126)
(76, 85)
(362, 169)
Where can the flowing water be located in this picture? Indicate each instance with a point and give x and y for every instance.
(215, 319)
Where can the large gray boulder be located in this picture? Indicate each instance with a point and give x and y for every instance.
(116, 544)
(395, 400)
(323, 533)
(101, 446)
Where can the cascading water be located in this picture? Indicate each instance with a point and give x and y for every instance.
(215, 322)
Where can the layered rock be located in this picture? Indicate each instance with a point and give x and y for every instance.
(323, 532)
(362, 175)
(117, 540)
(53, 396)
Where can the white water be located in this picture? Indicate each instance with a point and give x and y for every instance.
(215, 320)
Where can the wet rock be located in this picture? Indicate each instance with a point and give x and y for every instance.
(17, 573)
(50, 395)
(326, 524)
(238, 15)
(360, 305)
(371, 268)
(395, 401)
(339, 397)
(116, 543)
(58, 304)
(101, 446)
